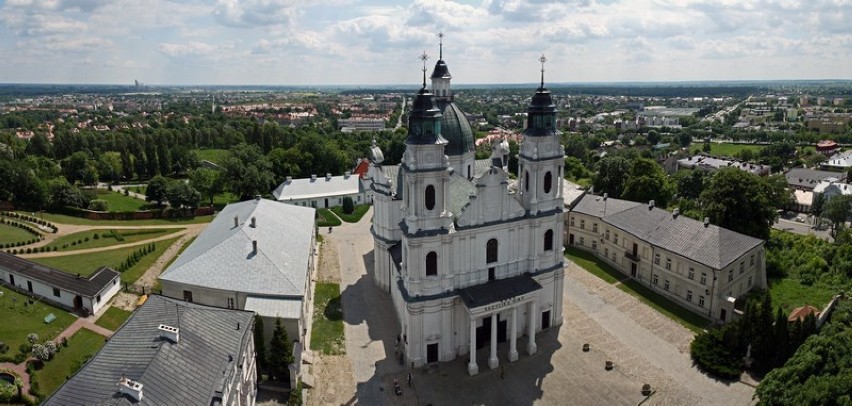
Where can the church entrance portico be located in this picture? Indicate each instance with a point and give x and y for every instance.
(487, 302)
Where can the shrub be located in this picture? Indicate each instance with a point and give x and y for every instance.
(98, 205)
(711, 355)
(4, 348)
(96, 237)
(32, 338)
(348, 205)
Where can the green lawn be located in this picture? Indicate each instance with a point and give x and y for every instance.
(65, 219)
(81, 346)
(221, 200)
(86, 264)
(730, 150)
(327, 333)
(325, 218)
(213, 155)
(113, 318)
(356, 215)
(788, 294)
(592, 264)
(129, 236)
(16, 321)
(119, 202)
(653, 299)
(10, 235)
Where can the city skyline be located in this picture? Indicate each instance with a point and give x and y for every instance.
(349, 42)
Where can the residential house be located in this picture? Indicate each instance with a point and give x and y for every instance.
(87, 294)
(323, 192)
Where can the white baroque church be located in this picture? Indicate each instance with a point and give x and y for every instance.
(469, 257)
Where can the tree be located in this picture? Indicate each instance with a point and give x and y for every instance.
(781, 339)
(181, 195)
(280, 353)
(739, 201)
(690, 183)
(109, 166)
(206, 181)
(259, 343)
(348, 205)
(648, 181)
(817, 206)
(611, 174)
(156, 190)
(837, 210)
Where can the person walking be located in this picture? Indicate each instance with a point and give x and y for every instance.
(409, 379)
(502, 372)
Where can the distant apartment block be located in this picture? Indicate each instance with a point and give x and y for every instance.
(360, 124)
(829, 123)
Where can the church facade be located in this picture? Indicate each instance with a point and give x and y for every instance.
(469, 256)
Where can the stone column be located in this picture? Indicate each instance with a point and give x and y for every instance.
(531, 347)
(472, 368)
(513, 338)
(492, 359)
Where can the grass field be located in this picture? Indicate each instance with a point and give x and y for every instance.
(64, 219)
(213, 155)
(327, 334)
(356, 215)
(82, 345)
(130, 236)
(10, 234)
(325, 218)
(221, 200)
(113, 318)
(119, 202)
(730, 150)
(653, 299)
(18, 321)
(86, 264)
(788, 294)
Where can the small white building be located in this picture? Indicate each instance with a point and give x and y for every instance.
(323, 192)
(85, 294)
(256, 255)
(839, 161)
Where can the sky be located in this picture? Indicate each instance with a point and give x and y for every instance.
(374, 42)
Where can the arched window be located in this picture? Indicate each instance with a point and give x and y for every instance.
(548, 182)
(491, 251)
(431, 263)
(430, 197)
(548, 240)
(527, 181)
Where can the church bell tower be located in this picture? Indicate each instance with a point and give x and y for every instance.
(541, 157)
(425, 167)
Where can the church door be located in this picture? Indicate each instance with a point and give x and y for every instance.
(501, 330)
(483, 333)
(431, 353)
(545, 320)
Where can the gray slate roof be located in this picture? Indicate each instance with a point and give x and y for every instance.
(713, 246)
(185, 373)
(597, 206)
(88, 286)
(808, 178)
(322, 186)
(222, 256)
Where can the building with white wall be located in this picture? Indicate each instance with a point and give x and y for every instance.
(256, 255)
(170, 352)
(323, 192)
(702, 267)
(469, 258)
(87, 294)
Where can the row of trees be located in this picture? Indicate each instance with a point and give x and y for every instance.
(731, 198)
(820, 372)
(760, 340)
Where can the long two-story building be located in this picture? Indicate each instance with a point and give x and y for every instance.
(700, 266)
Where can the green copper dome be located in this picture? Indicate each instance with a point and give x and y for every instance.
(455, 129)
